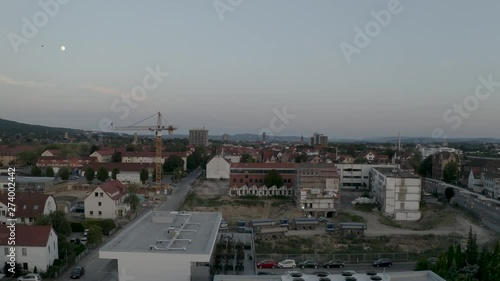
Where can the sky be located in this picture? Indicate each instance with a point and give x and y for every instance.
(346, 69)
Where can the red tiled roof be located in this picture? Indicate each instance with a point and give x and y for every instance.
(115, 189)
(6, 150)
(28, 236)
(123, 167)
(262, 165)
(28, 205)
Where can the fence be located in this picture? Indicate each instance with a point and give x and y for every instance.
(351, 258)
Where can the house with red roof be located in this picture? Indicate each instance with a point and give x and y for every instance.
(36, 246)
(106, 201)
(29, 206)
(51, 152)
(103, 156)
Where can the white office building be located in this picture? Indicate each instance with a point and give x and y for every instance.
(356, 176)
(397, 192)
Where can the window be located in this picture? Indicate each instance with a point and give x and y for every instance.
(100, 213)
(102, 194)
(241, 180)
(91, 213)
(25, 266)
(25, 251)
(99, 204)
(49, 249)
(96, 194)
(3, 213)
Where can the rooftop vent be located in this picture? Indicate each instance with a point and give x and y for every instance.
(154, 248)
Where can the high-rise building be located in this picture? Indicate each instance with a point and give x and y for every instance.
(198, 136)
(319, 139)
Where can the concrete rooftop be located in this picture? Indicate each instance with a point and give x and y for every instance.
(168, 232)
(395, 173)
(390, 276)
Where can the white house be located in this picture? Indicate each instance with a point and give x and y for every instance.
(51, 152)
(491, 181)
(128, 172)
(102, 156)
(36, 246)
(397, 192)
(218, 168)
(474, 180)
(29, 206)
(106, 201)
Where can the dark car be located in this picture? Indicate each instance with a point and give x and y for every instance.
(266, 264)
(266, 273)
(77, 272)
(309, 264)
(382, 262)
(333, 263)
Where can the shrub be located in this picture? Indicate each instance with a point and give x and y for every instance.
(77, 227)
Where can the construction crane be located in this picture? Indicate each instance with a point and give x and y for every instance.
(158, 128)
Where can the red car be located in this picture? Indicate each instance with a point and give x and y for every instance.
(266, 264)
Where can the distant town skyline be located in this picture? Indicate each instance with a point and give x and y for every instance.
(415, 67)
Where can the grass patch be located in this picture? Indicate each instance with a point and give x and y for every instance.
(367, 208)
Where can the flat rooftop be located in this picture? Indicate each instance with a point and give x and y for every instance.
(168, 232)
(390, 276)
(395, 173)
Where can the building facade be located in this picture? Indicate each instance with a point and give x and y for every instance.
(32, 250)
(198, 137)
(251, 174)
(30, 206)
(356, 176)
(319, 139)
(317, 189)
(398, 193)
(218, 168)
(107, 201)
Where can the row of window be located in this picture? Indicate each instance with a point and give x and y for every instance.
(260, 192)
(260, 180)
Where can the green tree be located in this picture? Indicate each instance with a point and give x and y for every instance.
(27, 157)
(425, 168)
(90, 174)
(172, 162)
(472, 251)
(273, 178)
(459, 259)
(247, 158)
(18, 270)
(301, 158)
(116, 157)
(49, 172)
(450, 256)
(449, 192)
(64, 173)
(450, 172)
(191, 162)
(102, 174)
(177, 174)
(95, 235)
(133, 201)
(115, 172)
(36, 171)
(144, 175)
(58, 220)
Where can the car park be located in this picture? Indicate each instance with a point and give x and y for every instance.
(287, 264)
(383, 262)
(77, 272)
(333, 264)
(266, 264)
(30, 277)
(309, 264)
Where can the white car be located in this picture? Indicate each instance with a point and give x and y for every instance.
(83, 241)
(30, 277)
(287, 264)
(86, 232)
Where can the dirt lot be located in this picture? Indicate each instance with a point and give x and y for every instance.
(440, 226)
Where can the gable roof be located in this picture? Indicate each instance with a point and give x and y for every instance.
(25, 235)
(114, 189)
(28, 205)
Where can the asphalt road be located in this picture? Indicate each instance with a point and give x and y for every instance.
(97, 269)
(360, 268)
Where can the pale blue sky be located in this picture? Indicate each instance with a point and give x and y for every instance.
(228, 75)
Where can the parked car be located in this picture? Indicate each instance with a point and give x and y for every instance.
(266, 264)
(287, 264)
(309, 264)
(86, 232)
(77, 272)
(266, 273)
(83, 241)
(333, 263)
(30, 277)
(432, 260)
(382, 262)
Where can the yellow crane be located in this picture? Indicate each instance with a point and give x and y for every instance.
(158, 128)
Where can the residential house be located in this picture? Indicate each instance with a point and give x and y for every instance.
(29, 206)
(36, 246)
(128, 172)
(51, 153)
(218, 168)
(58, 162)
(148, 157)
(439, 162)
(491, 184)
(9, 155)
(107, 201)
(103, 156)
(475, 182)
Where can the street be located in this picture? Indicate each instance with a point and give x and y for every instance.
(360, 268)
(97, 269)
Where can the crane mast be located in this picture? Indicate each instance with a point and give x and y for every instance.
(158, 128)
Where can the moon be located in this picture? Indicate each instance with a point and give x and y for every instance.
(63, 48)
